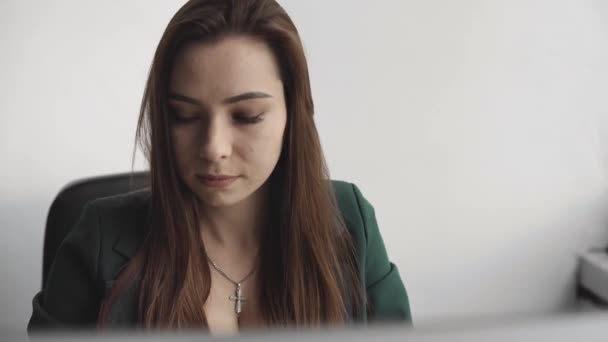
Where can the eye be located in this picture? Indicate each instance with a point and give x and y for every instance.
(175, 118)
(247, 119)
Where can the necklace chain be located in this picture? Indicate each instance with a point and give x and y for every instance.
(219, 270)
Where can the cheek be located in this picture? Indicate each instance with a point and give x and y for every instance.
(265, 146)
(184, 144)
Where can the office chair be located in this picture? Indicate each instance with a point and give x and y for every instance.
(69, 203)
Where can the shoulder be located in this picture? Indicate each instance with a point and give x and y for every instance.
(123, 208)
(123, 202)
(355, 209)
(104, 221)
(349, 196)
(122, 214)
(88, 259)
(123, 223)
(360, 218)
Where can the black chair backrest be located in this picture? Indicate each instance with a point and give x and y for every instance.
(68, 204)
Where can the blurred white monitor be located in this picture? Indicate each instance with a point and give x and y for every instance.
(586, 327)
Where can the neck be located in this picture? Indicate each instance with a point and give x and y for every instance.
(237, 227)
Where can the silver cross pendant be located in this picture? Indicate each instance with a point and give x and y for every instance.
(238, 299)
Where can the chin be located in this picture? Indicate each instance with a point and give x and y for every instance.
(215, 200)
(216, 204)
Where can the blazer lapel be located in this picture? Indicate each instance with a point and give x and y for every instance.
(131, 236)
(124, 309)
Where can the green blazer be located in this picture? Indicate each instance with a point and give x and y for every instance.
(110, 230)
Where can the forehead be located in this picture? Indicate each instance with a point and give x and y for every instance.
(225, 67)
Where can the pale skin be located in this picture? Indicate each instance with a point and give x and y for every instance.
(225, 134)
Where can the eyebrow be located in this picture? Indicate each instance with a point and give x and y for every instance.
(233, 99)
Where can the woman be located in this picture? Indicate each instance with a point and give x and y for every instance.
(241, 226)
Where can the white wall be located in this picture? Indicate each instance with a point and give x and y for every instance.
(478, 129)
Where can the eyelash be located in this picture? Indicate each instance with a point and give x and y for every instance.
(242, 119)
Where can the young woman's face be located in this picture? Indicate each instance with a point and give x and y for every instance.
(229, 113)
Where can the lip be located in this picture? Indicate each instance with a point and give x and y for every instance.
(216, 181)
(216, 177)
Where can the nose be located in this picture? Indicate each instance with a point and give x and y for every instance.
(216, 141)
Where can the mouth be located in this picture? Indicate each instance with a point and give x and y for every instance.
(217, 181)
(216, 177)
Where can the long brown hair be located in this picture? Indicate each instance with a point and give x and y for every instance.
(308, 273)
